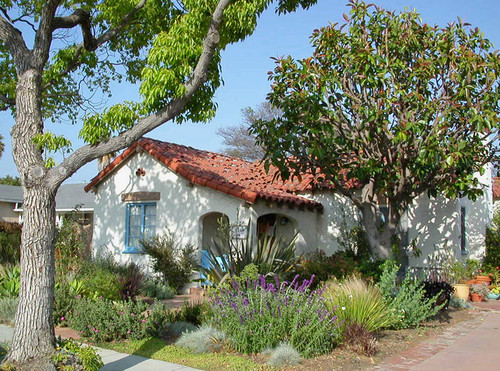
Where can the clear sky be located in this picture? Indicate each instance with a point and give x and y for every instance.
(245, 66)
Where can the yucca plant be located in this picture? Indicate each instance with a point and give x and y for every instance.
(358, 302)
(229, 256)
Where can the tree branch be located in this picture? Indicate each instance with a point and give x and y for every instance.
(87, 153)
(13, 40)
(93, 43)
(43, 38)
(79, 17)
(7, 101)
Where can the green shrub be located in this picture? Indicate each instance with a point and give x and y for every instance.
(492, 241)
(4, 349)
(339, 265)
(192, 313)
(70, 246)
(71, 353)
(65, 296)
(261, 315)
(8, 307)
(104, 320)
(407, 301)
(99, 280)
(203, 340)
(10, 243)
(284, 355)
(174, 263)
(156, 289)
(10, 282)
(359, 303)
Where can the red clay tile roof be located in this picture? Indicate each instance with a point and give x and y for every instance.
(236, 177)
(496, 188)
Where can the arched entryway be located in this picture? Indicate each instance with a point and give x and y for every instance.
(210, 225)
(276, 225)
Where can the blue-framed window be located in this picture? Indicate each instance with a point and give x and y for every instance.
(140, 224)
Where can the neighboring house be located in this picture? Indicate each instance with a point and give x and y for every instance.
(70, 198)
(11, 197)
(155, 187)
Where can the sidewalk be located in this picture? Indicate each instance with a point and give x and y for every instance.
(114, 361)
(466, 346)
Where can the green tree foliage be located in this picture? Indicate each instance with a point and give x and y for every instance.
(55, 56)
(387, 106)
(9, 180)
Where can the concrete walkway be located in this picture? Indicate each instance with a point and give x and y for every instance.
(467, 346)
(114, 361)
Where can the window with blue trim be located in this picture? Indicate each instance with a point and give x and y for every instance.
(140, 224)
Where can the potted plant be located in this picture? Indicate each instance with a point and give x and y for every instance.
(458, 273)
(494, 293)
(479, 292)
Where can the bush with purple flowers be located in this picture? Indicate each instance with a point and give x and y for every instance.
(259, 315)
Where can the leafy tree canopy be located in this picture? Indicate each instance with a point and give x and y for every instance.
(9, 180)
(400, 106)
(157, 43)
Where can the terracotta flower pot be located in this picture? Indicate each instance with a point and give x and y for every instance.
(483, 279)
(461, 291)
(476, 297)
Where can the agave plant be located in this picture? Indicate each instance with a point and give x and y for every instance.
(229, 256)
(10, 282)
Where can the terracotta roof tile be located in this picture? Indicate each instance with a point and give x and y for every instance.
(239, 178)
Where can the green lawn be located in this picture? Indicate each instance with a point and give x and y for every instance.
(158, 349)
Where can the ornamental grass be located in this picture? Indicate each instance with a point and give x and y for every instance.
(258, 315)
(358, 302)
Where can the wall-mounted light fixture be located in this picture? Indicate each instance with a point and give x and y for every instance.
(140, 172)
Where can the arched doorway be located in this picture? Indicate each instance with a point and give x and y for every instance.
(210, 225)
(276, 225)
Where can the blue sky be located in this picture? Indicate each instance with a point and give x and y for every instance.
(245, 66)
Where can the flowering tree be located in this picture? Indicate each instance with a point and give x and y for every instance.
(399, 106)
(54, 55)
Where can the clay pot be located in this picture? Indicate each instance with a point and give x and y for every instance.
(476, 297)
(461, 291)
(483, 279)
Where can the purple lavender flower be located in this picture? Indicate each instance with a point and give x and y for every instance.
(262, 281)
(236, 287)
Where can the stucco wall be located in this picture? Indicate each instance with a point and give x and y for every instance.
(435, 224)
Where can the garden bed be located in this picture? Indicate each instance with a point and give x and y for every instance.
(390, 343)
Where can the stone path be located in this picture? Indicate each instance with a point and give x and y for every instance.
(114, 361)
(472, 345)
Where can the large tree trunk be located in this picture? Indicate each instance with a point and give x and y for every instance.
(34, 340)
(34, 328)
(379, 236)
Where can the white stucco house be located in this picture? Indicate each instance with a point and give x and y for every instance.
(155, 187)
